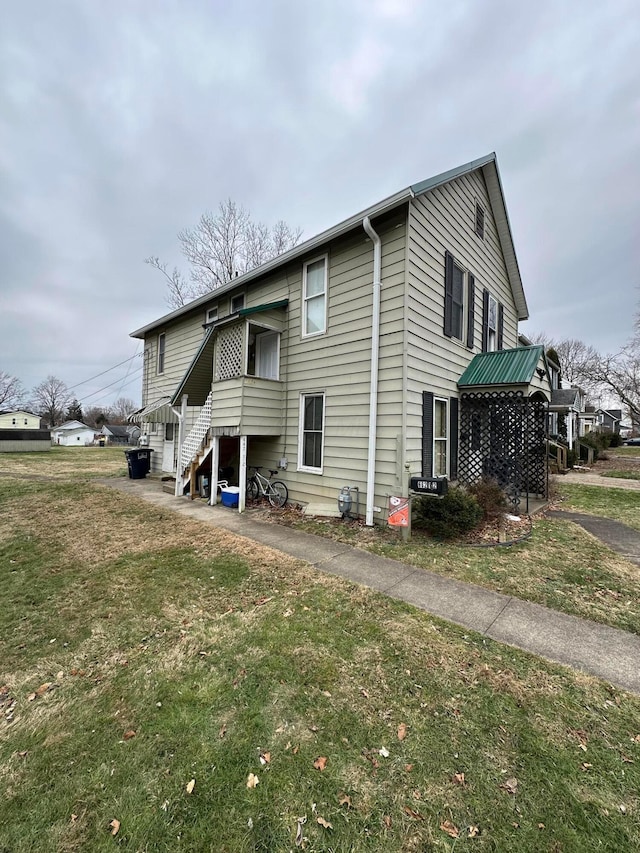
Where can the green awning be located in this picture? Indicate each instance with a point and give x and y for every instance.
(504, 367)
(268, 306)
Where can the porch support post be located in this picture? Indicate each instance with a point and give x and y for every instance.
(570, 429)
(215, 464)
(182, 415)
(242, 482)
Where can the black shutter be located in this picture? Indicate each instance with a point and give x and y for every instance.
(453, 438)
(471, 310)
(500, 325)
(485, 320)
(427, 434)
(448, 295)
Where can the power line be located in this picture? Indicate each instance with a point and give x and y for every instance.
(95, 402)
(108, 370)
(111, 384)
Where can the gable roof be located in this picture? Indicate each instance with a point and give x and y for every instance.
(489, 167)
(503, 367)
(565, 397)
(18, 412)
(71, 425)
(116, 430)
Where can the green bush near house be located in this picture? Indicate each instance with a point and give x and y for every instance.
(490, 496)
(454, 514)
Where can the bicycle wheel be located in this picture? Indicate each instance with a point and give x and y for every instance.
(252, 489)
(277, 493)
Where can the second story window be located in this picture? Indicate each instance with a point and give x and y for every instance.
(162, 340)
(479, 220)
(237, 303)
(492, 323)
(212, 314)
(314, 297)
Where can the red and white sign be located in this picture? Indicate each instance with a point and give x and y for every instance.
(398, 512)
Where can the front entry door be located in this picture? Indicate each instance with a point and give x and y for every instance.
(168, 449)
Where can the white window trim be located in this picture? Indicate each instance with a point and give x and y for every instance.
(213, 310)
(492, 331)
(236, 297)
(307, 264)
(440, 440)
(303, 396)
(278, 336)
(465, 307)
(162, 336)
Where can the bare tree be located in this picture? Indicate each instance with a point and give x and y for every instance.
(12, 393)
(573, 357)
(122, 407)
(619, 374)
(50, 399)
(222, 246)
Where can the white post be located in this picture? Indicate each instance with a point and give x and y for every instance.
(242, 482)
(570, 429)
(182, 415)
(215, 464)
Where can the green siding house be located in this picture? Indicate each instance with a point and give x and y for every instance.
(345, 361)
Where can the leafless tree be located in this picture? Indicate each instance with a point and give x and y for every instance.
(119, 410)
(573, 357)
(12, 393)
(220, 247)
(619, 375)
(50, 399)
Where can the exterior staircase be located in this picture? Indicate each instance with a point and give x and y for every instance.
(195, 449)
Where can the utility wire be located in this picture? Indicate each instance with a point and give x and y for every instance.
(110, 385)
(108, 370)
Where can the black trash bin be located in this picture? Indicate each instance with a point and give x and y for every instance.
(138, 462)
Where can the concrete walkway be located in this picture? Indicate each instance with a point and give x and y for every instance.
(587, 478)
(596, 649)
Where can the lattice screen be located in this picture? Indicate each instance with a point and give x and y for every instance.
(503, 436)
(229, 351)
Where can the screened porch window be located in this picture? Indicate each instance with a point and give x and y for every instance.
(311, 432)
(263, 356)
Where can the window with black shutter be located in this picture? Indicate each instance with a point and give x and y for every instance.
(479, 220)
(453, 297)
(427, 434)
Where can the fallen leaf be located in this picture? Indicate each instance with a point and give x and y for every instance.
(473, 831)
(412, 813)
(366, 695)
(585, 766)
(252, 780)
(324, 823)
(402, 731)
(458, 779)
(129, 734)
(320, 763)
(387, 821)
(223, 731)
(540, 826)
(295, 749)
(190, 786)
(384, 752)
(265, 757)
(345, 800)
(408, 768)
(326, 693)
(450, 828)
(114, 826)
(74, 818)
(23, 753)
(511, 785)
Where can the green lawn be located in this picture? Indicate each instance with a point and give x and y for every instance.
(144, 655)
(620, 504)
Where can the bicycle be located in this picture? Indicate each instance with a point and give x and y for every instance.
(274, 491)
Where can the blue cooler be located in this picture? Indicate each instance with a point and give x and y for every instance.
(230, 496)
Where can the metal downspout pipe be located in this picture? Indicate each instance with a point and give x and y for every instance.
(375, 355)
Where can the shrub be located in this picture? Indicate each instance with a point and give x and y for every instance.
(490, 497)
(456, 513)
(616, 440)
(571, 458)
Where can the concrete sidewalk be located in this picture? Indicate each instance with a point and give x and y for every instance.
(596, 649)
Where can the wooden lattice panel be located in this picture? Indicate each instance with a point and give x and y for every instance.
(229, 352)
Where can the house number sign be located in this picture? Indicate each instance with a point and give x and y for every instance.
(429, 485)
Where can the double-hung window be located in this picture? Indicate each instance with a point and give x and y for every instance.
(162, 342)
(314, 297)
(492, 324)
(311, 437)
(440, 437)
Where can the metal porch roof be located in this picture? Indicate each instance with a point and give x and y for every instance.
(504, 367)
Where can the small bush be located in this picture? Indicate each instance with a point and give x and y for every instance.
(572, 458)
(616, 440)
(456, 513)
(490, 497)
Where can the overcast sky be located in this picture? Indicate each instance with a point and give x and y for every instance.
(121, 122)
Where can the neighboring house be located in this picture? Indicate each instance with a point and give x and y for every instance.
(588, 420)
(19, 420)
(115, 433)
(72, 434)
(382, 349)
(609, 420)
(568, 402)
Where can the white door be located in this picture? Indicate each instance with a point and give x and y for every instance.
(168, 449)
(267, 355)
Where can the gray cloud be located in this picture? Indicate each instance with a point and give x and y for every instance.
(120, 123)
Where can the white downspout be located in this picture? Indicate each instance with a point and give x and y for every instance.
(375, 354)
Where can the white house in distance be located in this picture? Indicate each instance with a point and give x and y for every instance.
(19, 419)
(380, 352)
(72, 434)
